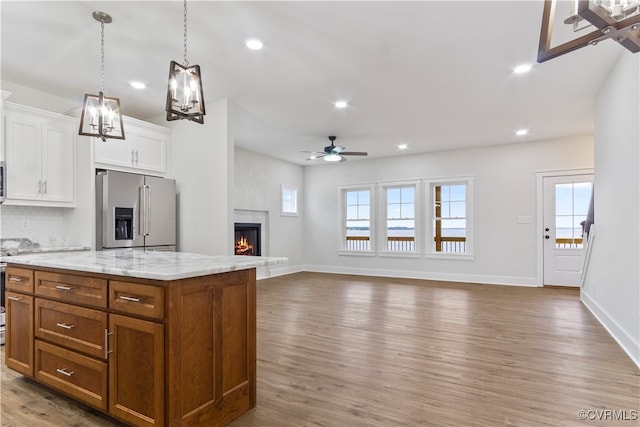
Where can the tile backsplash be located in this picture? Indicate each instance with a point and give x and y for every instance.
(43, 225)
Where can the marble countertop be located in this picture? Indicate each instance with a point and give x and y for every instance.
(157, 265)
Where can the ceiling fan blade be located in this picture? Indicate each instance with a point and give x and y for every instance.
(315, 157)
(320, 153)
(343, 159)
(354, 153)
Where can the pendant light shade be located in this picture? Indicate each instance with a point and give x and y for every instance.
(185, 97)
(101, 116)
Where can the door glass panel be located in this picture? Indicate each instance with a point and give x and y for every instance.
(572, 203)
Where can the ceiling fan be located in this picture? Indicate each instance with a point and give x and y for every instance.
(333, 153)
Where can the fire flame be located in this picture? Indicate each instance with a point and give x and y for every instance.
(243, 247)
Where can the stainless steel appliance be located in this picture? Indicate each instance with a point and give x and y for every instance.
(135, 211)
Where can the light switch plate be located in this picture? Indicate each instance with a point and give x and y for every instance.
(525, 220)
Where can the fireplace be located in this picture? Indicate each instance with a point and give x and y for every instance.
(247, 239)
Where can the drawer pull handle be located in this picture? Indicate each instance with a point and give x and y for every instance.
(15, 298)
(16, 279)
(132, 299)
(64, 325)
(64, 288)
(63, 371)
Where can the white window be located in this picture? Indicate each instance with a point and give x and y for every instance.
(401, 218)
(289, 200)
(451, 217)
(356, 230)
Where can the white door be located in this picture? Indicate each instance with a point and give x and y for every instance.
(566, 201)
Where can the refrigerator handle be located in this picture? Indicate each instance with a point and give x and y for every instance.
(147, 209)
(141, 211)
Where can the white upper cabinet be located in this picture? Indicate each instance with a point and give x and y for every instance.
(40, 154)
(143, 151)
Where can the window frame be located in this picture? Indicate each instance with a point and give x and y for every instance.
(429, 217)
(284, 188)
(342, 220)
(383, 218)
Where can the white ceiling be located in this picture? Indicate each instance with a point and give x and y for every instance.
(435, 75)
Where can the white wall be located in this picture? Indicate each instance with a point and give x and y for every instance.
(505, 188)
(201, 162)
(258, 180)
(612, 285)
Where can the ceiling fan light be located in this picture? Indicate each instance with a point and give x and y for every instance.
(332, 158)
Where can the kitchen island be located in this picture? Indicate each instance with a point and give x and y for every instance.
(150, 338)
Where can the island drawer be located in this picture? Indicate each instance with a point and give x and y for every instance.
(136, 298)
(78, 328)
(72, 288)
(19, 279)
(79, 376)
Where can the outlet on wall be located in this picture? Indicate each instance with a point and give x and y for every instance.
(25, 224)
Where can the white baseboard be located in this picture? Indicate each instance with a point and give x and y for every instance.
(629, 344)
(275, 271)
(426, 275)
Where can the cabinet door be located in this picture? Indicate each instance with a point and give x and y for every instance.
(151, 151)
(58, 162)
(23, 139)
(116, 152)
(19, 333)
(136, 371)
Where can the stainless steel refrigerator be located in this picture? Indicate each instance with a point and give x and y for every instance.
(135, 211)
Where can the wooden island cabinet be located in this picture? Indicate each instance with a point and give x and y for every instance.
(149, 352)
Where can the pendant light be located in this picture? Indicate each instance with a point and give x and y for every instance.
(101, 116)
(185, 99)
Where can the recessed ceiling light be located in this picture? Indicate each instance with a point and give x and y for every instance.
(138, 85)
(254, 44)
(341, 104)
(403, 146)
(522, 132)
(523, 68)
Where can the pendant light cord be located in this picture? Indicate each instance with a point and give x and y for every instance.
(186, 61)
(102, 55)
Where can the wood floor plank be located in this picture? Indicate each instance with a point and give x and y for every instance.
(338, 350)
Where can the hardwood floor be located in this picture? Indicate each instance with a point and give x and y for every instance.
(336, 350)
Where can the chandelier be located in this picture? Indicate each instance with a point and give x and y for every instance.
(101, 116)
(185, 98)
(618, 20)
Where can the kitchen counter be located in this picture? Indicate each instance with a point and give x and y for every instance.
(156, 265)
(178, 328)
